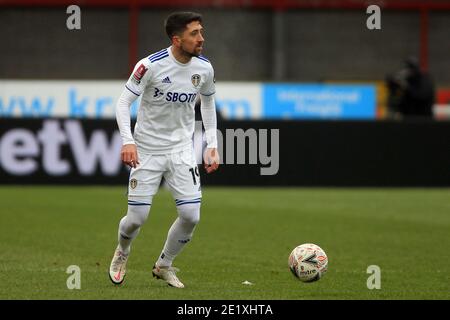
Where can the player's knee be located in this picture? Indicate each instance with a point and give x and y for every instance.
(139, 220)
(137, 215)
(193, 220)
(189, 213)
(127, 228)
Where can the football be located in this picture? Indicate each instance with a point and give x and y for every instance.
(308, 262)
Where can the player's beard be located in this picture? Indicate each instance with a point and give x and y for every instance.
(190, 54)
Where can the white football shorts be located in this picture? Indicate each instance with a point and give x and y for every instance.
(179, 170)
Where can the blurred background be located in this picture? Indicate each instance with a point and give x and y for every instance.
(360, 97)
(334, 129)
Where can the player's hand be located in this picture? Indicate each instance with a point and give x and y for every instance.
(129, 155)
(211, 159)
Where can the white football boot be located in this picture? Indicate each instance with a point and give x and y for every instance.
(118, 267)
(168, 274)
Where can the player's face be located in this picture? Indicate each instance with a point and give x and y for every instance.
(191, 41)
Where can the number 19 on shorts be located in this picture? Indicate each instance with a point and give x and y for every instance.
(195, 174)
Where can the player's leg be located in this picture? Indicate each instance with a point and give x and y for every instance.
(184, 181)
(143, 184)
(181, 231)
(130, 225)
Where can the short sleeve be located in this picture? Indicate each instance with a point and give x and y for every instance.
(209, 87)
(139, 78)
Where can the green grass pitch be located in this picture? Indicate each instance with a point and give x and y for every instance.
(244, 234)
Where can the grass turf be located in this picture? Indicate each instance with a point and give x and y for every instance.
(244, 234)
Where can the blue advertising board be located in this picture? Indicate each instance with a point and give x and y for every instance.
(318, 101)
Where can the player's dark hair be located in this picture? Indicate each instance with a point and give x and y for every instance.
(176, 22)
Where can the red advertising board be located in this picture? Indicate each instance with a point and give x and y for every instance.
(442, 106)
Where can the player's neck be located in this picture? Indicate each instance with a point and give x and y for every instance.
(180, 56)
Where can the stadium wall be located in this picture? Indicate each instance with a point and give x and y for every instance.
(316, 45)
(272, 153)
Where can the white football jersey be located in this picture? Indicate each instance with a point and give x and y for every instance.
(166, 118)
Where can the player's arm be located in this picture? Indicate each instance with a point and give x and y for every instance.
(128, 154)
(208, 111)
(133, 89)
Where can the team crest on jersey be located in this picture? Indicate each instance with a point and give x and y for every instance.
(139, 74)
(133, 183)
(195, 80)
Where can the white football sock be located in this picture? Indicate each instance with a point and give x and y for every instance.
(180, 232)
(130, 225)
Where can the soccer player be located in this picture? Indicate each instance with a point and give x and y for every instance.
(169, 81)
